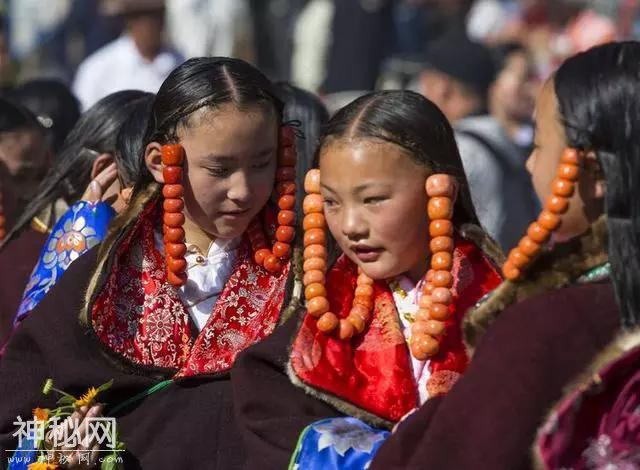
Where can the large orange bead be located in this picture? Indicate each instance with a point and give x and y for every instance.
(562, 188)
(570, 156)
(510, 271)
(260, 255)
(282, 250)
(285, 173)
(314, 264)
(172, 154)
(312, 203)
(173, 219)
(549, 220)
(272, 264)
(538, 233)
(317, 306)
(427, 289)
(441, 244)
(314, 290)
(285, 233)
(364, 279)
(287, 156)
(357, 322)
(176, 265)
(314, 236)
(430, 273)
(315, 276)
(441, 228)
(313, 221)
(435, 327)
(423, 347)
(440, 185)
(287, 136)
(442, 279)
(557, 205)
(172, 174)
(286, 217)
(529, 247)
(176, 279)
(364, 290)
(440, 208)
(441, 295)
(287, 202)
(176, 250)
(519, 259)
(285, 187)
(172, 191)
(439, 312)
(328, 322)
(174, 234)
(312, 181)
(568, 172)
(360, 311)
(345, 329)
(425, 301)
(419, 328)
(173, 205)
(442, 261)
(364, 300)
(315, 251)
(423, 315)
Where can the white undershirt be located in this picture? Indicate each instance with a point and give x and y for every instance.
(409, 304)
(207, 276)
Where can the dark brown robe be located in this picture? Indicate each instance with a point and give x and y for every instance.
(17, 260)
(490, 418)
(190, 424)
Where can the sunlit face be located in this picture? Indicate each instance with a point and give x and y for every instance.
(375, 206)
(230, 167)
(550, 142)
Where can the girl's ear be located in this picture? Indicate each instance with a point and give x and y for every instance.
(153, 160)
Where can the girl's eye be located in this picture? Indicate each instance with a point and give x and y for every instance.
(219, 172)
(262, 165)
(374, 200)
(329, 203)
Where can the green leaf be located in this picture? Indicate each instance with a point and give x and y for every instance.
(106, 386)
(65, 400)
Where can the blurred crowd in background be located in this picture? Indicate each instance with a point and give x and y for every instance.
(481, 61)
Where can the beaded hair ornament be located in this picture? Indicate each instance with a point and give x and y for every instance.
(173, 219)
(539, 232)
(436, 296)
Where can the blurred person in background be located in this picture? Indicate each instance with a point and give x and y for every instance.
(52, 102)
(137, 60)
(495, 147)
(87, 151)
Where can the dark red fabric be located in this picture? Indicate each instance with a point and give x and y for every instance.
(598, 426)
(140, 317)
(17, 261)
(490, 417)
(373, 371)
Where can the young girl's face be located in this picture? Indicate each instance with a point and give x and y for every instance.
(587, 202)
(230, 170)
(376, 206)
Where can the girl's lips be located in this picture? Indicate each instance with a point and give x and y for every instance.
(367, 254)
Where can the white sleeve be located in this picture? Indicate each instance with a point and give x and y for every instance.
(84, 85)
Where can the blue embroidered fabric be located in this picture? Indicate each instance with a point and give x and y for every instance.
(337, 443)
(81, 228)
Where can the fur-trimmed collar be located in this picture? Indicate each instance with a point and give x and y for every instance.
(554, 269)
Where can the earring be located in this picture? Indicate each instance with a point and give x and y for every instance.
(436, 296)
(539, 232)
(173, 216)
(272, 259)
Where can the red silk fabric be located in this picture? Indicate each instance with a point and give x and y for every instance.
(373, 371)
(139, 316)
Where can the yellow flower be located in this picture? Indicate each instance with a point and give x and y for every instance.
(42, 466)
(41, 414)
(87, 398)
